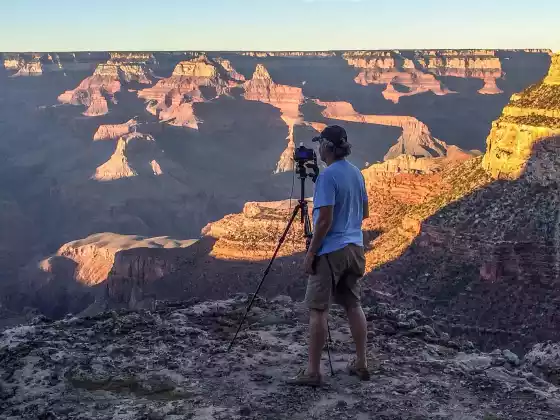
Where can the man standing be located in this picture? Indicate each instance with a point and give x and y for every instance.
(335, 260)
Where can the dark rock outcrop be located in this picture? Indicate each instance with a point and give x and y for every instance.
(172, 363)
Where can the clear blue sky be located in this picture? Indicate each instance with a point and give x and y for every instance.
(72, 25)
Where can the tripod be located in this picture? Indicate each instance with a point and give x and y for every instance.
(303, 208)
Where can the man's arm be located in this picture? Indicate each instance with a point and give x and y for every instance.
(322, 227)
(365, 203)
(365, 208)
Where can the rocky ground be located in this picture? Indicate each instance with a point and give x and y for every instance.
(173, 363)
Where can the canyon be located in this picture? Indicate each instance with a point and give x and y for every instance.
(143, 194)
(197, 147)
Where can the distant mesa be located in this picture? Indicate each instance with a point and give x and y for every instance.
(32, 64)
(478, 64)
(418, 74)
(530, 116)
(263, 54)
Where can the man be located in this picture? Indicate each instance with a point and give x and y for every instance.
(335, 260)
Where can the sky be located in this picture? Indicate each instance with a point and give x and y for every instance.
(211, 25)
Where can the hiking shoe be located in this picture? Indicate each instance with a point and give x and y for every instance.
(305, 379)
(362, 373)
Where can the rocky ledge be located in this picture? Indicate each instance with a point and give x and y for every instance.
(172, 363)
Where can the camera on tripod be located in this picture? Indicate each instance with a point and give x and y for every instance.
(306, 159)
(302, 155)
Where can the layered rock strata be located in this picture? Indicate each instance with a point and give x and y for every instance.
(419, 74)
(172, 98)
(135, 154)
(530, 116)
(114, 131)
(96, 91)
(126, 265)
(254, 233)
(477, 64)
(383, 69)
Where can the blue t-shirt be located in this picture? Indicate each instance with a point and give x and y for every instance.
(342, 186)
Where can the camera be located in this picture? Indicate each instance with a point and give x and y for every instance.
(306, 159)
(302, 155)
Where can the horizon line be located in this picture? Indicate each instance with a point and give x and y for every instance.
(276, 51)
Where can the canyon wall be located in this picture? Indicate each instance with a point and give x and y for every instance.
(125, 265)
(530, 116)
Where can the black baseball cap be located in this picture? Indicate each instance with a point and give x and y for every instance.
(333, 133)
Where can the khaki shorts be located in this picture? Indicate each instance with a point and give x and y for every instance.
(337, 276)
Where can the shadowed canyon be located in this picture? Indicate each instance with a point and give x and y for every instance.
(157, 184)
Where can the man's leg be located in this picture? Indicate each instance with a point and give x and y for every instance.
(358, 327)
(317, 338)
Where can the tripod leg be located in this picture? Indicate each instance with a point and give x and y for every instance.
(282, 238)
(329, 342)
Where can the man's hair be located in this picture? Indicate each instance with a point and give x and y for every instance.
(337, 141)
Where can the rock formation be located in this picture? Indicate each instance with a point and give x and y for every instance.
(479, 64)
(125, 264)
(531, 116)
(114, 131)
(263, 54)
(286, 98)
(31, 65)
(97, 256)
(133, 156)
(37, 64)
(254, 233)
(286, 162)
(418, 74)
(172, 99)
(172, 362)
(96, 90)
(32, 68)
(13, 63)
(415, 140)
(553, 77)
(383, 69)
(410, 164)
(231, 72)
